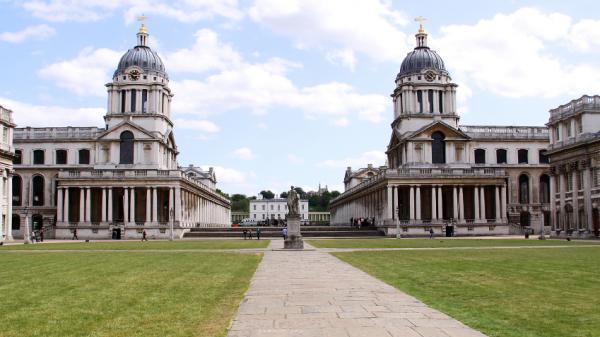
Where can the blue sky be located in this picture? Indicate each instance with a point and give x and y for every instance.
(275, 93)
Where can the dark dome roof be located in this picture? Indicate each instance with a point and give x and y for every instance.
(419, 59)
(143, 57)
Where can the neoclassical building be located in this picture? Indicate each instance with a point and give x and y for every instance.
(574, 153)
(7, 154)
(465, 180)
(116, 181)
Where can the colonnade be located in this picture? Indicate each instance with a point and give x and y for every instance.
(5, 205)
(571, 202)
(407, 102)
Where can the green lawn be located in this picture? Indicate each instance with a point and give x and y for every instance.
(439, 243)
(503, 293)
(138, 245)
(122, 294)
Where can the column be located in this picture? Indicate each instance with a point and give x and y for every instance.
(418, 197)
(563, 189)
(498, 210)
(454, 202)
(66, 206)
(482, 199)
(171, 203)
(81, 204)
(553, 222)
(125, 204)
(103, 215)
(461, 204)
(575, 198)
(88, 205)
(587, 196)
(154, 204)
(503, 204)
(178, 208)
(59, 206)
(440, 205)
(434, 215)
(394, 202)
(476, 199)
(9, 211)
(148, 205)
(109, 216)
(132, 207)
(412, 203)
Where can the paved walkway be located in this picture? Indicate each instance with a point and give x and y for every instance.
(311, 293)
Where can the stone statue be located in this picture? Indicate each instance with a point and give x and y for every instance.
(292, 202)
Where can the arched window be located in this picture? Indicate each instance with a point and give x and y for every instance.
(38, 157)
(38, 191)
(523, 189)
(17, 190)
(438, 148)
(501, 156)
(126, 149)
(479, 156)
(18, 157)
(544, 188)
(84, 156)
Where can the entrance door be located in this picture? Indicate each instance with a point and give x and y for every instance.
(116, 234)
(449, 231)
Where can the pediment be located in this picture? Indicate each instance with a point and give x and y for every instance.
(449, 132)
(139, 133)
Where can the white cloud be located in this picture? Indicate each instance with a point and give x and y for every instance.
(39, 32)
(514, 55)
(294, 159)
(198, 125)
(344, 57)
(187, 11)
(585, 36)
(370, 27)
(86, 74)
(228, 175)
(244, 153)
(375, 157)
(26, 114)
(262, 126)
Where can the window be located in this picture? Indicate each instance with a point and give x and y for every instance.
(61, 157)
(123, 100)
(5, 135)
(523, 189)
(263, 207)
(441, 101)
(18, 157)
(255, 215)
(84, 156)
(501, 156)
(543, 157)
(38, 157)
(569, 182)
(420, 100)
(430, 100)
(254, 206)
(557, 132)
(16, 222)
(597, 176)
(544, 188)
(438, 148)
(271, 207)
(38, 191)
(17, 189)
(144, 100)
(479, 156)
(569, 129)
(523, 154)
(579, 125)
(133, 100)
(126, 148)
(263, 216)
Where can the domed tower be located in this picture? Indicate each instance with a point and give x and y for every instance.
(139, 92)
(424, 89)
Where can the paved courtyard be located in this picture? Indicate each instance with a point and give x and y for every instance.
(311, 293)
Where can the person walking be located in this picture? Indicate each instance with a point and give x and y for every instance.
(258, 234)
(431, 233)
(245, 233)
(144, 236)
(284, 233)
(250, 234)
(75, 235)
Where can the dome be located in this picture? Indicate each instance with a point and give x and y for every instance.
(143, 57)
(419, 59)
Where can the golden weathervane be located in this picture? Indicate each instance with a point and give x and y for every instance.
(141, 19)
(420, 20)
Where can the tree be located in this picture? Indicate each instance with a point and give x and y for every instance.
(267, 194)
(300, 192)
(223, 193)
(240, 203)
(283, 195)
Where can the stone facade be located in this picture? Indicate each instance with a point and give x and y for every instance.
(464, 180)
(574, 153)
(7, 154)
(117, 181)
(274, 209)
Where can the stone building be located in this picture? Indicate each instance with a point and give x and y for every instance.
(455, 179)
(574, 153)
(274, 209)
(116, 181)
(7, 153)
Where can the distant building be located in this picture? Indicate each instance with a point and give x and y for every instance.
(7, 154)
(237, 217)
(274, 209)
(319, 218)
(574, 153)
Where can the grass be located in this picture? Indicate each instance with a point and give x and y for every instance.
(122, 294)
(138, 245)
(503, 293)
(439, 243)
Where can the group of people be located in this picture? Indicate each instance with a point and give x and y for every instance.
(362, 222)
(248, 234)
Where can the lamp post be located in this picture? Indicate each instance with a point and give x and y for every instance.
(171, 214)
(27, 235)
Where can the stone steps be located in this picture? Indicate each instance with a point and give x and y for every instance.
(276, 232)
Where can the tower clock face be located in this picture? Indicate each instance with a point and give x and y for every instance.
(134, 74)
(430, 76)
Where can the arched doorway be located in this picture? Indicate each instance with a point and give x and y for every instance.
(525, 219)
(17, 190)
(38, 191)
(544, 189)
(438, 148)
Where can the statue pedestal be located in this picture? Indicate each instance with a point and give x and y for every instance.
(294, 238)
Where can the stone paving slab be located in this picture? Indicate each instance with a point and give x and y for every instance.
(312, 293)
